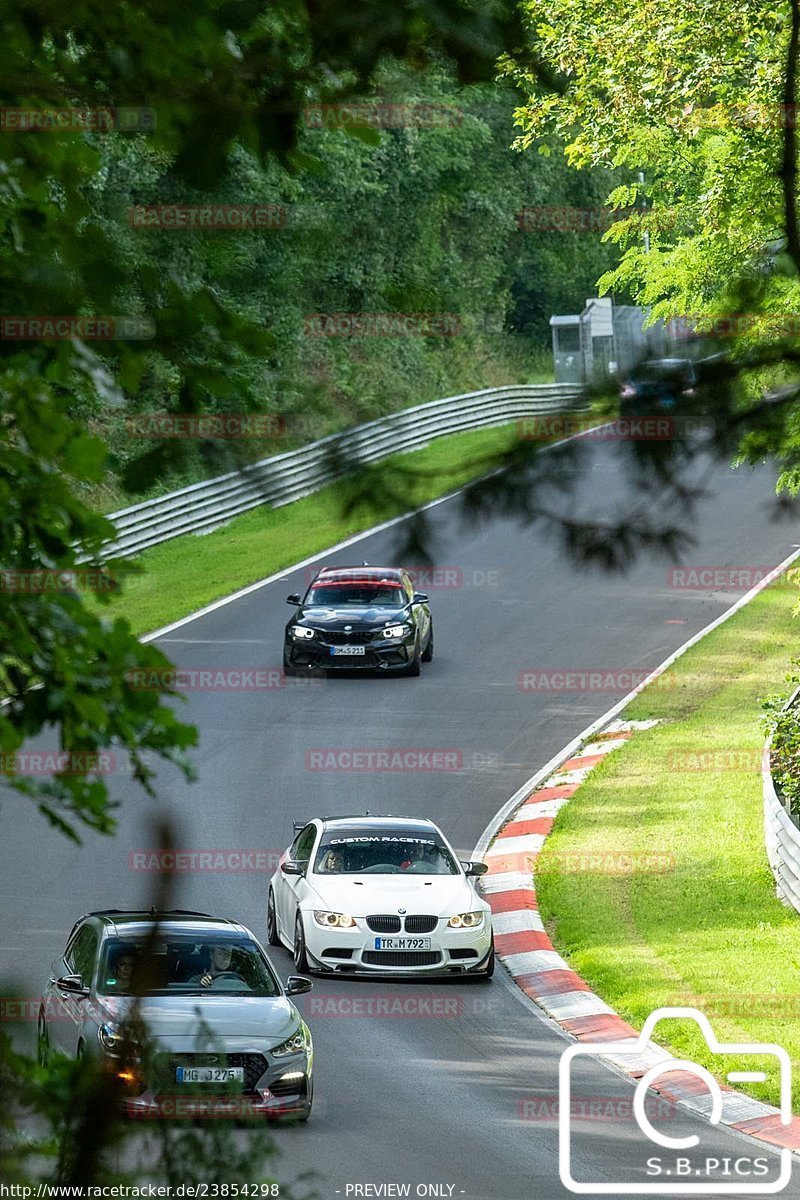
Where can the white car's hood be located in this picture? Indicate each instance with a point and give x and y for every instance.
(362, 895)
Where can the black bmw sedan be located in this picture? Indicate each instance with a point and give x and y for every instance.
(359, 617)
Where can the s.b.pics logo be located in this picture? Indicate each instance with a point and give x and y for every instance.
(677, 1160)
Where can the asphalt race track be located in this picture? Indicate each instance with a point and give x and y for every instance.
(463, 1096)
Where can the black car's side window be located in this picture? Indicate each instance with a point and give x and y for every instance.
(304, 844)
(82, 953)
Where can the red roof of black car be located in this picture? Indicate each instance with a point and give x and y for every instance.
(360, 574)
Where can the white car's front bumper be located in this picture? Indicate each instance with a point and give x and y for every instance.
(357, 951)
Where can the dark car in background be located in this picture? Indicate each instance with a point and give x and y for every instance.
(359, 618)
(657, 384)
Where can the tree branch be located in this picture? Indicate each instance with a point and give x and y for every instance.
(788, 172)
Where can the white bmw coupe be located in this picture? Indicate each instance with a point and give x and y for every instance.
(379, 895)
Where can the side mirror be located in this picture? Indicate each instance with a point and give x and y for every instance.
(73, 985)
(420, 598)
(296, 984)
(294, 599)
(477, 868)
(293, 868)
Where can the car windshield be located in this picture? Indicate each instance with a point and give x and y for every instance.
(383, 854)
(655, 372)
(333, 595)
(185, 964)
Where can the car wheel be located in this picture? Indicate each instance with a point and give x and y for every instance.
(300, 956)
(414, 667)
(272, 921)
(487, 974)
(42, 1041)
(427, 654)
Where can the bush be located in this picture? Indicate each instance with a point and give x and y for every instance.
(782, 723)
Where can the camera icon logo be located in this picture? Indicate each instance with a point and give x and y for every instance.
(683, 1169)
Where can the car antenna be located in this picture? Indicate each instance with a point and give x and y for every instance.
(364, 562)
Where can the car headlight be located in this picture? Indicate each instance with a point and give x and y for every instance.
(333, 920)
(395, 631)
(295, 1044)
(300, 631)
(109, 1039)
(470, 920)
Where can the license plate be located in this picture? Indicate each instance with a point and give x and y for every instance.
(347, 650)
(209, 1074)
(402, 943)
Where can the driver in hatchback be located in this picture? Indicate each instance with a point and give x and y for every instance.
(219, 965)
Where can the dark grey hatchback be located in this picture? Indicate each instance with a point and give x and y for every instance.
(359, 618)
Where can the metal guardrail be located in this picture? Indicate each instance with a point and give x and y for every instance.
(781, 834)
(286, 477)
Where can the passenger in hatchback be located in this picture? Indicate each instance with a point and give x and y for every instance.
(123, 969)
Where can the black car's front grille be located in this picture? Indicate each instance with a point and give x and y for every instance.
(356, 637)
(401, 958)
(417, 924)
(384, 924)
(254, 1067)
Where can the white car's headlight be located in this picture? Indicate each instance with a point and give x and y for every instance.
(109, 1039)
(333, 920)
(300, 631)
(295, 1044)
(395, 631)
(470, 920)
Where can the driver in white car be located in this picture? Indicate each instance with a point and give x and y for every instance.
(419, 856)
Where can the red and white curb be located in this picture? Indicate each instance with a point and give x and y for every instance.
(538, 969)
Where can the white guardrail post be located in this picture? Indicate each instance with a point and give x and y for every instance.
(286, 477)
(781, 834)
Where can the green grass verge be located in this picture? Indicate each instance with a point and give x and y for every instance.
(183, 575)
(709, 932)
